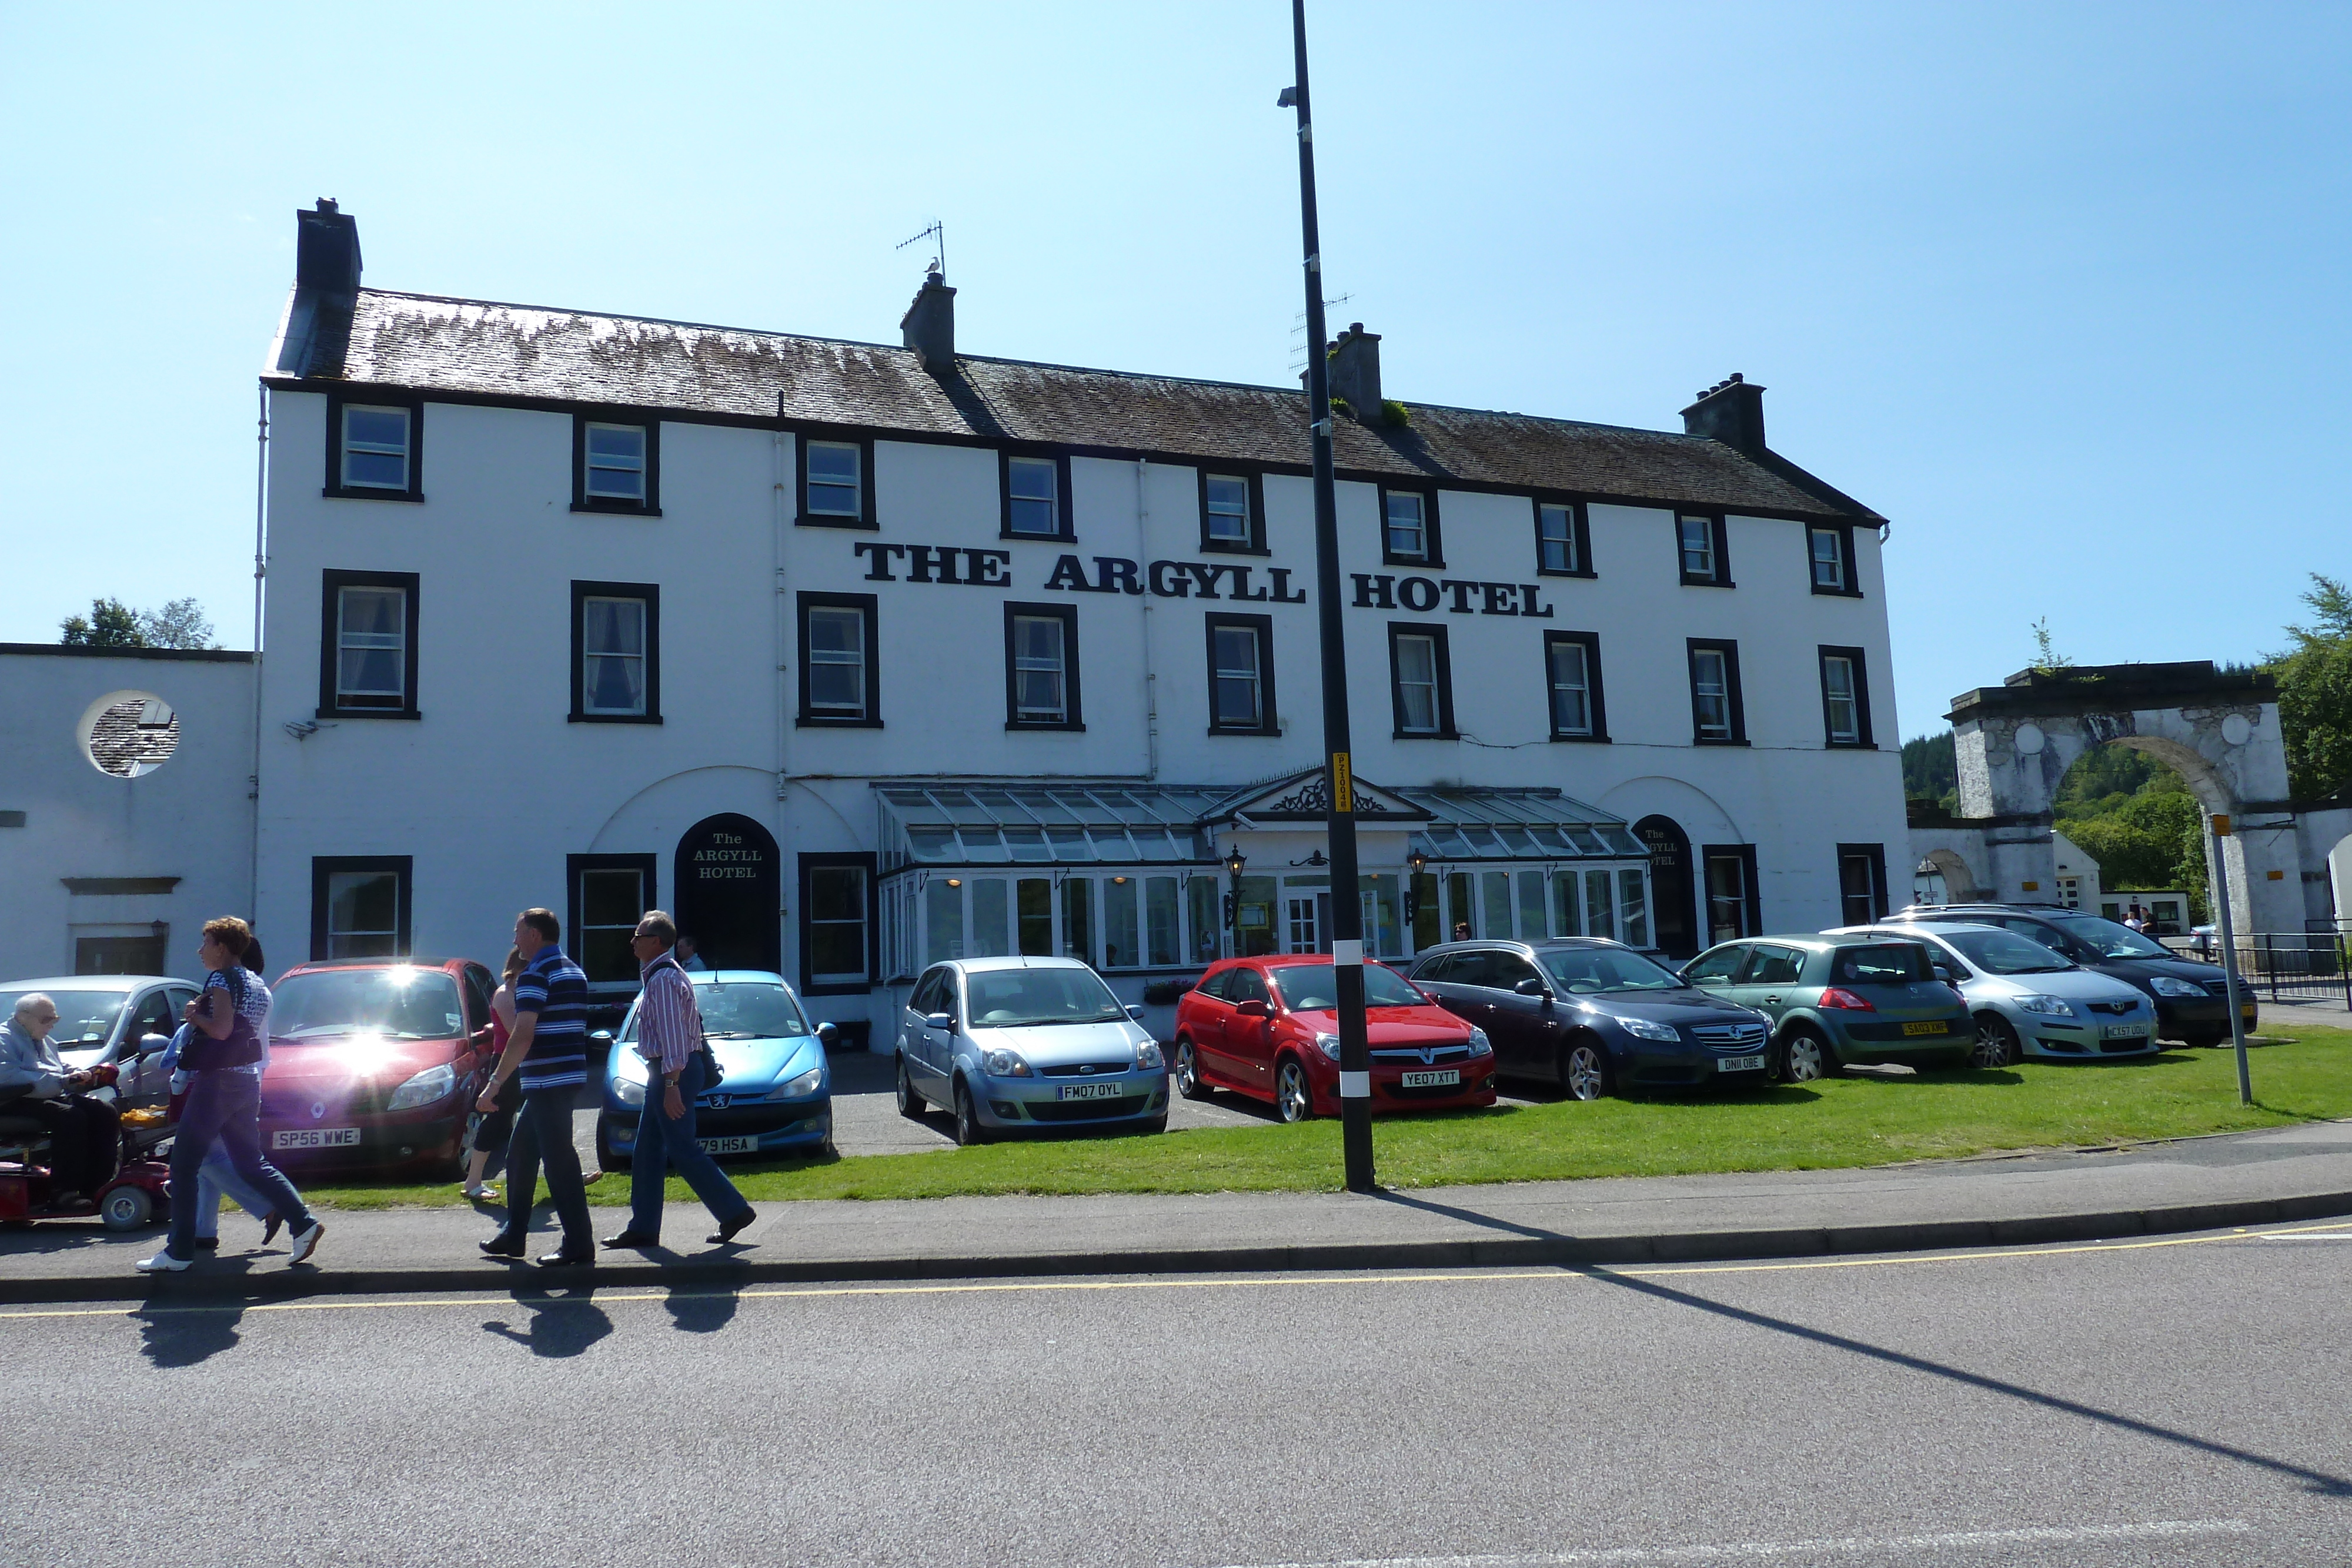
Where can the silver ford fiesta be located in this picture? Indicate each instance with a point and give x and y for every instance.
(1014, 1045)
(2030, 1002)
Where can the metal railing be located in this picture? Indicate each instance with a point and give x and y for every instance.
(2285, 966)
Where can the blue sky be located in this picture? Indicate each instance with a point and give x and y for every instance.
(2059, 290)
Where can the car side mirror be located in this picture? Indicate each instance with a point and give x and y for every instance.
(1531, 986)
(1945, 972)
(1253, 1009)
(939, 1021)
(1135, 1011)
(602, 1037)
(827, 1036)
(149, 1045)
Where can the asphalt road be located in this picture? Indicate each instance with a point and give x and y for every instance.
(2178, 1402)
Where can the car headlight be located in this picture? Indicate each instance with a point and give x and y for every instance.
(1646, 1029)
(629, 1091)
(2047, 1007)
(424, 1089)
(1329, 1044)
(800, 1088)
(1147, 1054)
(2167, 985)
(1002, 1063)
(1479, 1044)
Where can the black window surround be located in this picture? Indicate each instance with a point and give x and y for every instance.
(1753, 894)
(1719, 543)
(1843, 534)
(1434, 553)
(1397, 631)
(865, 862)
(1591, 643)
(865, 518)
(582, 501)
(1738, 714)
(403, 868)
(1875, 854)
(1066, 530)
(332, 584)
(1580, 534)
(575, 920)
(1862, 740)
(650, 593)
(1067, 614)
(336, 402)
(867, 607)
(1262, 627)
(1255, 544)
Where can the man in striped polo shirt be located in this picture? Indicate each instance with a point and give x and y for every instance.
(548, 1049)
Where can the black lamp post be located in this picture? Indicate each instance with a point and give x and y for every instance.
(1415, 863)
(1235, 860)
(1347, 906)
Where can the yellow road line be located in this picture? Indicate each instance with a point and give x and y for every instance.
(603, 1297)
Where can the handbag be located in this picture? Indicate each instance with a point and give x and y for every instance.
(241, 1047)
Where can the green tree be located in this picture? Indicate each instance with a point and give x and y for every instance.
(181, 623)
(1929, 769)
(109, 625)
(2315, 682)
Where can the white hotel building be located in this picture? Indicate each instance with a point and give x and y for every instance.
(858, 656)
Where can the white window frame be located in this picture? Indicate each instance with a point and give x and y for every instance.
(855, 486)
(1850, 733)
(642, 899)
(1582, 686)
(1016, 498)
(833, 658)
(1835, 560)
(1255, 675)
(1240, 519)
(1547, 512)
(1418, 529)
(404, 449)
(1025, 663)
(337, 937)
(1406, 686)
(348, 642)
(590, 656)
(1709, 568)
(862, 923)
(632, 470)
(1719, 693)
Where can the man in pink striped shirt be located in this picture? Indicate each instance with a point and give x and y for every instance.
(669, 1039)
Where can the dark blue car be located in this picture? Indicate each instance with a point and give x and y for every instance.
(1593, 1016)
(776, 1093)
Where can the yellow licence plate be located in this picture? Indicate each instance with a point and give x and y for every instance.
(1933, 1026)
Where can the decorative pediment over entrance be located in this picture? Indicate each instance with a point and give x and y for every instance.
(1305, 797)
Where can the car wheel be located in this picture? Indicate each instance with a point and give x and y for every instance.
(1293, 1098)
(910, 1104)
(2204, 1041)
(1806, 1056)
(607, 1157)
(127, 1208)
(1584, 1070)
(1186, 1071)
(1157, 1124)
(967, 1129)
(1996, 1044)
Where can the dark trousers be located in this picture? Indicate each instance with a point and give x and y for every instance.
(224, 1106)
(661, 1144)
(543, 1137)
(495, 1133)
(85, 1139)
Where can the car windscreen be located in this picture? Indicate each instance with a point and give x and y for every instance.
(1881, 963)
(1582, 971)
(1314, 989)
(84, 1017)
(1022, 999)
(400, 1002)
(2005, 953)
(748, 1009)
(2108, 939)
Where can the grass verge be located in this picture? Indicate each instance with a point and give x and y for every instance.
(1838, 1122)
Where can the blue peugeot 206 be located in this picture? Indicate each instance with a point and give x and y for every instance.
(775, 1096)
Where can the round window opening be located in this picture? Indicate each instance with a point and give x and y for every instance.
(128, 734)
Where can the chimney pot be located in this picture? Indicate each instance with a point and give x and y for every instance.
(327, 251)
(1731, 412)
(929, 325)
(1356, 370)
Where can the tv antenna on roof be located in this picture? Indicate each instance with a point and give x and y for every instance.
(937, 231)
(1299, 330)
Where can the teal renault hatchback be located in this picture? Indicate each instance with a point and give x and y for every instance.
(1841, 1001)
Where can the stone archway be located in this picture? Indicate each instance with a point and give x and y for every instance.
(1959, 881)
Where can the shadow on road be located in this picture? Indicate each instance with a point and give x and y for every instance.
(2317, 1481)
(701, 1311)
(185, 1337)
(560, 1325)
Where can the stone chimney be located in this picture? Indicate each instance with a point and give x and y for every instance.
(327, 253)
(929, 325)
(1730, 412)
(1356, 370)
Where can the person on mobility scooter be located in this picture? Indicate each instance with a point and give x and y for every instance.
(84, 1132)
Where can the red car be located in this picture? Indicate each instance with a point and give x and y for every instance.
(375, 1063)
(1265, 1027)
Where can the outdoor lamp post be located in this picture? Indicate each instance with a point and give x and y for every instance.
(1415, 863)
(1235, 860)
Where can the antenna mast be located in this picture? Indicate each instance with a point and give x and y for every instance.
(934, 230)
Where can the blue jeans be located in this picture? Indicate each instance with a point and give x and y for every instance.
(216, 1179)
(661, 1144)
(224, 1108)
(542, 1140)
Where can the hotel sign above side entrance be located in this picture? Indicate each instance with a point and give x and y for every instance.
(1221, 579)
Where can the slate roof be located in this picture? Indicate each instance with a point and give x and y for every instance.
(476, 348)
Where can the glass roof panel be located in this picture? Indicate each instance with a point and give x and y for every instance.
(931, 843)
(1070, 843)
(982, 845)
(1111, 843)
(1027, 843)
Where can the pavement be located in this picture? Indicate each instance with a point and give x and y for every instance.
(2246, 1179)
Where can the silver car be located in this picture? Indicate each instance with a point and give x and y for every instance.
(1021, 1044)
(2030, 1002)
(120, 1018)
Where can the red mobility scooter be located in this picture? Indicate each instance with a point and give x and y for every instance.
(134, 1197)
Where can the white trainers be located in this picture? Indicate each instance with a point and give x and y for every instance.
(305, 1243)
(164, 1263)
